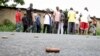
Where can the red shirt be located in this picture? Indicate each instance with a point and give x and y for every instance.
(18, 17)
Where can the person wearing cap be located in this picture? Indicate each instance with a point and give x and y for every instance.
(84, 21)
(71, 21)
(47, 22)
(18, 20)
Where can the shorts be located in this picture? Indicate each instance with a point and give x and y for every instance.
(84, 26)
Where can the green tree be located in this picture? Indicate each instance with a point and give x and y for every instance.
(13, 5)
(4, 2)
(21, 2)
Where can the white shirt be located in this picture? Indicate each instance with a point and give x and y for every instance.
(47, 19)
(85, 16)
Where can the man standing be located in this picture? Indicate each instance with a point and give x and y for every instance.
(65, 22)
(77, 22)
(61, 24)
(47, 22)
(95, 25)
(25, 23)
(56, 19)
(29, 16)
(38, 23)
(18, 20)
(84, 25)
(71, 21)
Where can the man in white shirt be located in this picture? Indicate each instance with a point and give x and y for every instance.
(47, 22)
(84, 24)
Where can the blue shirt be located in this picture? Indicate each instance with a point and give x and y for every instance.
(38, 20)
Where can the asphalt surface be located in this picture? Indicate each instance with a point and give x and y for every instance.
(34, 44)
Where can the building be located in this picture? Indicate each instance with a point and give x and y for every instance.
(98, 22)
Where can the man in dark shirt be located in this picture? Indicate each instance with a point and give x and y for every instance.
(29, 16)
(65, 22)
(25, 23)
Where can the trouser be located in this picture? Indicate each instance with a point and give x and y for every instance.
(76, 28)
(94, 32)
(65, 29)
(32, 28)
(25, 28)
(29, 29)
(51, 29)
(18, 27)
(47, 28)
(92, 29)
(71, 28)
(38, 28)
(60, 28)
(56, 24)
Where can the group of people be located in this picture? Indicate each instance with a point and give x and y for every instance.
(74, 23)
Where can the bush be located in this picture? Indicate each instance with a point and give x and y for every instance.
(7, 26)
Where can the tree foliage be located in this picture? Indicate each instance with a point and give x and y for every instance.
(19, 1)
(4, 2)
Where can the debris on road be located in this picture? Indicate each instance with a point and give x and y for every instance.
(52, 50)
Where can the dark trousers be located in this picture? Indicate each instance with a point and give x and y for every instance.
(38, 28)
(25, 28)
(71, 28)
(65, 29)
(47, 28)
(56, 24)
(51, 29)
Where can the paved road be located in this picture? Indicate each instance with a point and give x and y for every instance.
(29, 44)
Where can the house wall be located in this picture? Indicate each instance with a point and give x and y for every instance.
(98, 24)
(7, 13)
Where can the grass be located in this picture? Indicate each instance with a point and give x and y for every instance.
(7, 26)
(98, 31)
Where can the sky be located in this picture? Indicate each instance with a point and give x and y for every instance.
(78, 5)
